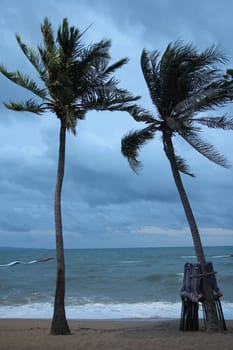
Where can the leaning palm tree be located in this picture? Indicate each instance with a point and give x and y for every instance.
(182, 84)
(76, 79)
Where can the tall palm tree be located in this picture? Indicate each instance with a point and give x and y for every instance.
(76, 79)
(182, 84)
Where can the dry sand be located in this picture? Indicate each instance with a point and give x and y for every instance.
(27, 334)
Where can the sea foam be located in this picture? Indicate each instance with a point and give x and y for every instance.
(100, 311)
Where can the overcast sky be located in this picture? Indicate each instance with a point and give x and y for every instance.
(104, 203)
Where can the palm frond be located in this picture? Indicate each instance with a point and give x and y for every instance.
(169, 71)
(225, 122)
(206, 149)
(142, 115)
(32, 56)
(48, 36)
(52, 63)
(132, 143)
(187, 76)
(27, 106)
(96, 80)
(92, 53)
(72, 116)
(211, 96)
(87, 70)
(212, 56)
(71, 121)
(151, 74)
(24, 81)
(49, 52)
(113, 67)
(80, 113)
(182, 166)
(108, 98)
(69, 41)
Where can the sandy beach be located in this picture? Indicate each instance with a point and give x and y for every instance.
(26, 334)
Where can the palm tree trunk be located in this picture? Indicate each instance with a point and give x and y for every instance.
(212, 316)
(59, 322)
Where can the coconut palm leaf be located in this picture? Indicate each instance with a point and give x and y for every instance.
(182, 166)
(68, 39)
(112, 68)
(48, 36)
(225, 122)
(151, 74)
(190, 78)
(211, 96)
(27, 106)
(206, 149)
(132, 143)
(25, 81)
(173, 75)
(87, 59)
(32, 56)
(142, 115)
(108, 98)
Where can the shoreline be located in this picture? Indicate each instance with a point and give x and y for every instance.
(33, 334)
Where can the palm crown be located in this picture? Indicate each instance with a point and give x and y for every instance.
(183, 83)
(76, 78)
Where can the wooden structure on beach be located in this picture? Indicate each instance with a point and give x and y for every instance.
(192, 295)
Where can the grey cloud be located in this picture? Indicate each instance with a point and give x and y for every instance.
(104, 202)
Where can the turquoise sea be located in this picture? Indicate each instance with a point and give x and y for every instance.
(133, 283)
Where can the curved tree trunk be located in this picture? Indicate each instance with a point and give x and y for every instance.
(59, 322)
(212, 317)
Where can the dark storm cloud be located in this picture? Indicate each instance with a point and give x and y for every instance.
(165, 19)
(103, 186)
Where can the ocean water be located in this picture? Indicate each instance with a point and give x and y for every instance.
(138, 283)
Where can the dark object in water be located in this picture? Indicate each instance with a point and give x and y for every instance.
(45, 259)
